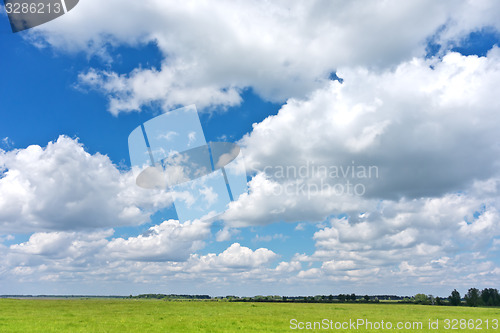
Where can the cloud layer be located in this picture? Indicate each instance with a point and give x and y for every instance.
(62, 187)
(428, 217)
(428, 128)
(213, 50)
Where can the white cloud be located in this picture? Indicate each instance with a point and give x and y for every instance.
(354, 265)
(434, 132)
(130, 93)
(342, 265)
(312, 273)
(430, 217)
(62, 244)
(241, 256)
(59, 260)
(289, 266)
(212, 50)
(435, 242)
(236, 257)
(62, 187)
(169, 241)
(225, 234)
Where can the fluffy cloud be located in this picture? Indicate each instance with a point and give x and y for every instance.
(429, 216)
(420, 228)
(234, 257)
(163, 255)
(434, 242)
(62, 187)
(169, 241)
(351, 253)
(56, 245)
(425, 128)
(225, 234)
(213, 50)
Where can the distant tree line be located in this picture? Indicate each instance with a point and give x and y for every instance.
(485, 297)
(341, 298)
(172, 297)
(474, 297)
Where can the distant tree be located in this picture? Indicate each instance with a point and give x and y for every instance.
(439, 301)
(330, 297)
(485, 296)
(342, 298)
(455, 298)
(495, 297)
(472, 297)
(418, 298)
(490, 297)
(421, 299)
(367, 298)
(353, 297)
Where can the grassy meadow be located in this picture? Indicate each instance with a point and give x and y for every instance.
(136, 315)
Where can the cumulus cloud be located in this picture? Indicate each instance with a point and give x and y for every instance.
(427, 241)
(213, 50)
(361, 264)
(423, 129)
(163, 254)
(428, 215)
(56, 245)
(236, 256)
(289, 266)
(225, 234)
(62, 187)
(169, 241)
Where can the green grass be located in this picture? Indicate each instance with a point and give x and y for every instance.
(129, 315)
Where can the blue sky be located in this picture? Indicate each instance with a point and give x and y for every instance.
(417, 102)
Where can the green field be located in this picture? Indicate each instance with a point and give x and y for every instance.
(132, 315)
